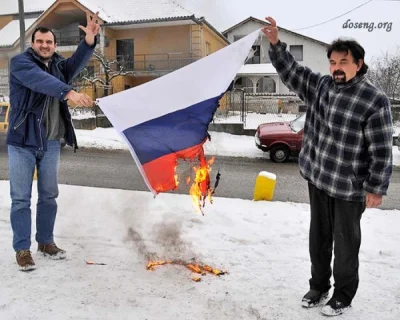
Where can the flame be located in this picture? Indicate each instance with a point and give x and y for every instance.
(176, 178)
(200, 188)
(194, 267)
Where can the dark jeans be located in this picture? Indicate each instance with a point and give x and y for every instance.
(334, 221)
(22, 164)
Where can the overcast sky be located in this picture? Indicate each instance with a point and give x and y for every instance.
(295, 15)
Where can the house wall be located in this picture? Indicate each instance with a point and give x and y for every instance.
(155, 40)
(314, 53)
(216, 43)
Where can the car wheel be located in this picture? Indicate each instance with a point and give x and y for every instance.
(279, 153)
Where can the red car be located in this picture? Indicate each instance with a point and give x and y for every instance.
(281, 139)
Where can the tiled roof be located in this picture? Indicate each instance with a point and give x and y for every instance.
(11, 7)
(114, 11)
(10, 33)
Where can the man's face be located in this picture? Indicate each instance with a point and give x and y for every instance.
(44, 45)
(342, 66)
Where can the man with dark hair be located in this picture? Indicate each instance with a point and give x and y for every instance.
(39, 118)
(43, 30)
(346, 158)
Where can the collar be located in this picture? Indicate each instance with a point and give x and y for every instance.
(38, 58)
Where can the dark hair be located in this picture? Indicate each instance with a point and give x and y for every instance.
(357, 51)
(43, 30)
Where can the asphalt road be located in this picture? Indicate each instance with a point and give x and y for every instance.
(116, 169)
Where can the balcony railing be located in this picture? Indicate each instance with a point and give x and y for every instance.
(155, 62)
(68, 41)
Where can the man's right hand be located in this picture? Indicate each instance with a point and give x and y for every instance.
(271, 32)
(80, 99)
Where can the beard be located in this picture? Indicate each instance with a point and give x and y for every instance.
(339, 76)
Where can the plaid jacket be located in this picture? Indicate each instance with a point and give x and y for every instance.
(348, 132)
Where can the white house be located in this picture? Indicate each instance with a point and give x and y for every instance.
(258, 74)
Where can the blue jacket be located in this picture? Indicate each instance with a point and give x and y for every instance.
(31, 84)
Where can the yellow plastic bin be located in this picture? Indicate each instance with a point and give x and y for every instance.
(265, 186)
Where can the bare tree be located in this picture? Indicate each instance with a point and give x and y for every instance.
(385, 73)
(104, 71)
(108, 70)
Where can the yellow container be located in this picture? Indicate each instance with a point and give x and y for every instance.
(265, 186)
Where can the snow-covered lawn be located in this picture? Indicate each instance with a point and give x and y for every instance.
(262, 245)
(221, 144)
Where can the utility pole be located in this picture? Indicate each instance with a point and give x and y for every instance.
(21, 25)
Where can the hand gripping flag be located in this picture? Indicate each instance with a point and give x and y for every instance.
(167, 118)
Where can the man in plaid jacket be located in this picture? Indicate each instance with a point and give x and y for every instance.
(346, 158)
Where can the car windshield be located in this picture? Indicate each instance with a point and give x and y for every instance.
(298, 123)
(3, 112)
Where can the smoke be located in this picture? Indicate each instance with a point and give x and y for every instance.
(162, 242)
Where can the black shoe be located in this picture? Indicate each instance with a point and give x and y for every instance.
(334, 307)
(313, 298)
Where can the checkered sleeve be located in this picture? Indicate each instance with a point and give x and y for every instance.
(296, 77)
(379, 137)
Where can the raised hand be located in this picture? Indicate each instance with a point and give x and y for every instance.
(92, 28)
(271, 31)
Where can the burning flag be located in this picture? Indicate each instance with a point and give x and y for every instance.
(196, 268)
(167, 118)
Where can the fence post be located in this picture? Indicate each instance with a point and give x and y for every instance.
(243, 112)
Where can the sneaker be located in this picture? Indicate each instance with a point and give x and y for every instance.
(334, 307)
(52, 251)
(24, 260)
(313, 297)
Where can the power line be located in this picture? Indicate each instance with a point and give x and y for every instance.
(343, 14)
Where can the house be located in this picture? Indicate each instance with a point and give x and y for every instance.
(258, 75)
(142, 40)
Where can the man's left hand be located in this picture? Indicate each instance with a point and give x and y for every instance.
(373, 200)
(92, 28)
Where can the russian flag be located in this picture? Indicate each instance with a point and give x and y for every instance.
(167, 118)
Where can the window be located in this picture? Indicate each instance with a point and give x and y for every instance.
(236, 38)
(297, 52)
(125, 49)
(256, 56)
(208, 48)
(125, 53)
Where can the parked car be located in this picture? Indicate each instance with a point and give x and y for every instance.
(281, 139)
(4, 109)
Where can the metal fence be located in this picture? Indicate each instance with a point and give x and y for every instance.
(237, 106)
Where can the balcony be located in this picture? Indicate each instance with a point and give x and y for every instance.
(154, 63)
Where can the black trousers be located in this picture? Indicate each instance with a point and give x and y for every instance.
(334, 222)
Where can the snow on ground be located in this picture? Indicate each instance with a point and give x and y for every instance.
(221, 144)
(262, 245)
